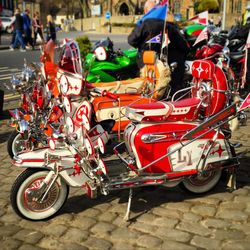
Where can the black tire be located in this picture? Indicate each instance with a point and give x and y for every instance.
(12, 147)
(199, 185)
(32, 210)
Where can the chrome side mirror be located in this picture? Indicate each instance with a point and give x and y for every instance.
(226, 51)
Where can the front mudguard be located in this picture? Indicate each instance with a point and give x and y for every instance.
(64, 163)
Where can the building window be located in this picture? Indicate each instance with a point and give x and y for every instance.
(177, 6)
(238, 6)
(124, 10)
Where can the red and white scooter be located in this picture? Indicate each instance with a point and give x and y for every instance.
(184, 142)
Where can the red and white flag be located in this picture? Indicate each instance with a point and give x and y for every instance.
(201, 18)
(246, 103)
(202, 36)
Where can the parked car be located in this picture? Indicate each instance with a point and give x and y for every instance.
(5, 24)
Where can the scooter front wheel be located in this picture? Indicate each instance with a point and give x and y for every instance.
(16, 144)
(199, 184)
(26, 197)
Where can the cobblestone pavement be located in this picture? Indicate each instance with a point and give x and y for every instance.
(162, 218)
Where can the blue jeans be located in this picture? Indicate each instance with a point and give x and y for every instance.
(19, 38)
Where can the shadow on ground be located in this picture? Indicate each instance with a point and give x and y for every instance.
(147, 198)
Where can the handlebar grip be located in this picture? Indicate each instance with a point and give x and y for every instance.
(109, 95)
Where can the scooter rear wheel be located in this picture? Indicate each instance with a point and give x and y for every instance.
(23, 195)
(201, 184)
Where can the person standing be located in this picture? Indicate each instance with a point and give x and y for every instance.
(51, 29)
(176, 50)
(37, 28)
(18, 30)
(27, 28)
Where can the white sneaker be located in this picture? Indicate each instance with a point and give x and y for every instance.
(22, 50)
(11, 49)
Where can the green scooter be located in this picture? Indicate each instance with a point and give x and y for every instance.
(112, 65)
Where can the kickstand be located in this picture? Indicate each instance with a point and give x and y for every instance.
(232, 182)
(126, 217)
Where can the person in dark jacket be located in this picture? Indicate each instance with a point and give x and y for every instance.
(51, 29)
(176, 50)
(18, 30)
(27, 28)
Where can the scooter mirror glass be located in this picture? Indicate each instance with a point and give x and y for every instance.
(87, 143)
(101, 145)
(67, 104)
(70, 58)
(70, 125)
(226, 51)
(52, 144)
(102, 166)
(85, 122)
(100, 53)
(64, 84)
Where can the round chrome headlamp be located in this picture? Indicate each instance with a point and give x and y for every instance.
(204, 93)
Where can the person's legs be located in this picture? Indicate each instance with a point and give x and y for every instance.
(35, 37)
(15, 40)
(20, 39)
(28, 38)
(13, 37)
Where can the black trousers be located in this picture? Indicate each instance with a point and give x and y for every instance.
(28, 39)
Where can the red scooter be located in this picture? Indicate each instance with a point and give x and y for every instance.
(184, 142)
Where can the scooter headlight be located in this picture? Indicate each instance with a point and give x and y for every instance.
(204, 93)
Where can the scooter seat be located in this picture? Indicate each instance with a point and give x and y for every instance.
(185, 109)
(162, 111)
(133, 86)
(158, 111)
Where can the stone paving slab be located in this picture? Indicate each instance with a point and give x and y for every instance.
(161, 218)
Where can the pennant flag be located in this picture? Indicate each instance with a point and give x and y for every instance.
(156, 39)
(246, 103)
(202, 36)
(166, 41)
(201, 18)
(158, 12)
